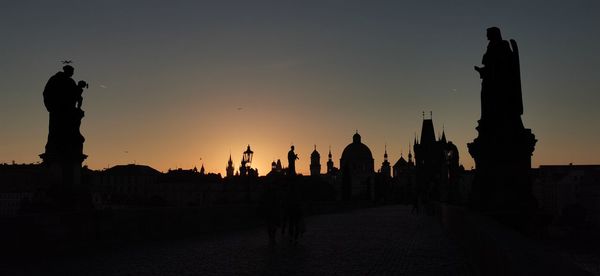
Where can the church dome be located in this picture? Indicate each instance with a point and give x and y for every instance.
(357, 151)
(315, 154)
(357, 169)
(401, 162)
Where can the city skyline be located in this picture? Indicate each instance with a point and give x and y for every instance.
(271, 75)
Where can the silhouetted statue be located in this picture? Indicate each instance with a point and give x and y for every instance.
(63, 100)
(292, 157)
(64, 149)
(503, 148)
(501, 83)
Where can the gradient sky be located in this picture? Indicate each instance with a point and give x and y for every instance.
(184, 83)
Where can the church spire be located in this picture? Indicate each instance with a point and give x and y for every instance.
(385, 155)
(409, 154)
(329, 162)
(229, 169)
(443, 136)
(385, 165)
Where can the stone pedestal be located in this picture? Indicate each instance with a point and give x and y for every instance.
(502, 184)
(65, 190)
(66, 170)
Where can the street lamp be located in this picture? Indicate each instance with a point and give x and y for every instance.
(247, 158)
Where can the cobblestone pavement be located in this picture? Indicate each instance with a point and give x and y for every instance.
(377, 241)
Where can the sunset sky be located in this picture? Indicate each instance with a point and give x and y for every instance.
(185, 83)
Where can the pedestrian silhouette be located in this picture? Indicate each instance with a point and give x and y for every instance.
(270, 210)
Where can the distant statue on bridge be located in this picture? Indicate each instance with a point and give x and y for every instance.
(63, 100)
(501, 99)
(292, 157)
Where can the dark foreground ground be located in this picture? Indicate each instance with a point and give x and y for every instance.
(376, 241)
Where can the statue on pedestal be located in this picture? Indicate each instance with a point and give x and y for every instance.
(63, 154)
(292, 157)
(503, 148)
(63, 100)
(501, 84)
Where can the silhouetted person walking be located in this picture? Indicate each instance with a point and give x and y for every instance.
(293, 215)
(415, 205)
(270, 210)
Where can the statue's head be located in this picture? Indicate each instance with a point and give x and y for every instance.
(493, 34)
(292, 147)
(69, 70)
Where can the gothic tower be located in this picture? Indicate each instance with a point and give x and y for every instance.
(410, 156)
(229, 168)
(385, 166)
(329, 163)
